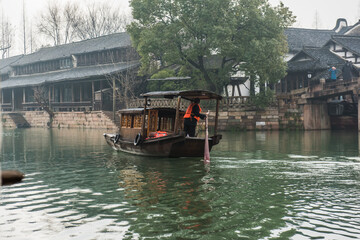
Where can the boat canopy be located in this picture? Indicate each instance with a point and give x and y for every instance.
(187, 94)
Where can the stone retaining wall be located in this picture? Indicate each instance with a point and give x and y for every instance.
(63, 120)
(286, 117)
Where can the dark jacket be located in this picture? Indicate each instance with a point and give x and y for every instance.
(195, 112)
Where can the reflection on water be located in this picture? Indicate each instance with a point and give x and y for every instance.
(260, 185)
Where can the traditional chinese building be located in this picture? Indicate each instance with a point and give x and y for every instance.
(313, 52)
(69, 77)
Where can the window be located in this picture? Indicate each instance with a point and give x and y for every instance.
(67, 97)
(86, 91)
(4, 77)
(57, 94)
(65, 63)
(7, 95)
(29, 95)
(77, 92)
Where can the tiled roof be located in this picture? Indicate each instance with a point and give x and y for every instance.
(6, 62)
(352, 43)
(319, 58)
(111, 41)
(352, 30)
(79, 73)
(297, 38)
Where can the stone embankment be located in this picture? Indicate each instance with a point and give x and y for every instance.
(267, 119)
(100, 120)
(272, 118)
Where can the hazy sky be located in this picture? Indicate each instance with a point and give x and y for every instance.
(12, 11)
(328, 11)
(305, 10)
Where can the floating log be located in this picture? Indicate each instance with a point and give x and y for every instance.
(9, 177)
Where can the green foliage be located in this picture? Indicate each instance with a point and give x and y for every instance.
(157, 85)
(212, 38)
(166, 85)
(263, 99)
(195, 81)
(165, 73)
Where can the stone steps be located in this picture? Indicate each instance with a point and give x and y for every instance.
(109, 115)
(19, 120)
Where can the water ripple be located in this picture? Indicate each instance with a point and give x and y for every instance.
(88, 191)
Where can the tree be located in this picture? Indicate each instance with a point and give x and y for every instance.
(126, 82)
(56, 23)
(100, 20)
(41, 96)
(66, 24)
(214, 37)
(7, 34)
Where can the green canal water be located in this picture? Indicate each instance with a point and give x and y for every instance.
(259, 185)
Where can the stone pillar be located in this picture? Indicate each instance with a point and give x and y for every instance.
(316, 116)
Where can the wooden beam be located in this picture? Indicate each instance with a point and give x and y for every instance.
(238, 88)
(72, 92)
(92, 95)
(143, 119)
(61, 90)
(177, 120)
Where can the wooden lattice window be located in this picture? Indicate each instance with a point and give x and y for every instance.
(153, 121)
(166, 123)
(126, 121)
(137, 121)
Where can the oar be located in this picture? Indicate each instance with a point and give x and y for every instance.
(206, 148)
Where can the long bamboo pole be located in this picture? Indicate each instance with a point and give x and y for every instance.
(216, 116)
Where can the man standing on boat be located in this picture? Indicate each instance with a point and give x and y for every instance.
(192, 116)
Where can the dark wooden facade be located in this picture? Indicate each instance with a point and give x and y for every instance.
(72, 77)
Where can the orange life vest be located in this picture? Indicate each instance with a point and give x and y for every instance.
(157, 134)
(189, 113)
(160, 134)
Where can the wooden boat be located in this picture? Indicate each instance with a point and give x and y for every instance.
(157, 131)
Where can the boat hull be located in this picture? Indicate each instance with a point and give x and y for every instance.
(169, 146)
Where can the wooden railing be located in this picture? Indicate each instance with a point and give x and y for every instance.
(160, 103)
(57, 107)
(340, 83)
(225, 103)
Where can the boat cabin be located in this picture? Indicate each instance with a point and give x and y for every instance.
(167, 117)
(156, 120)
